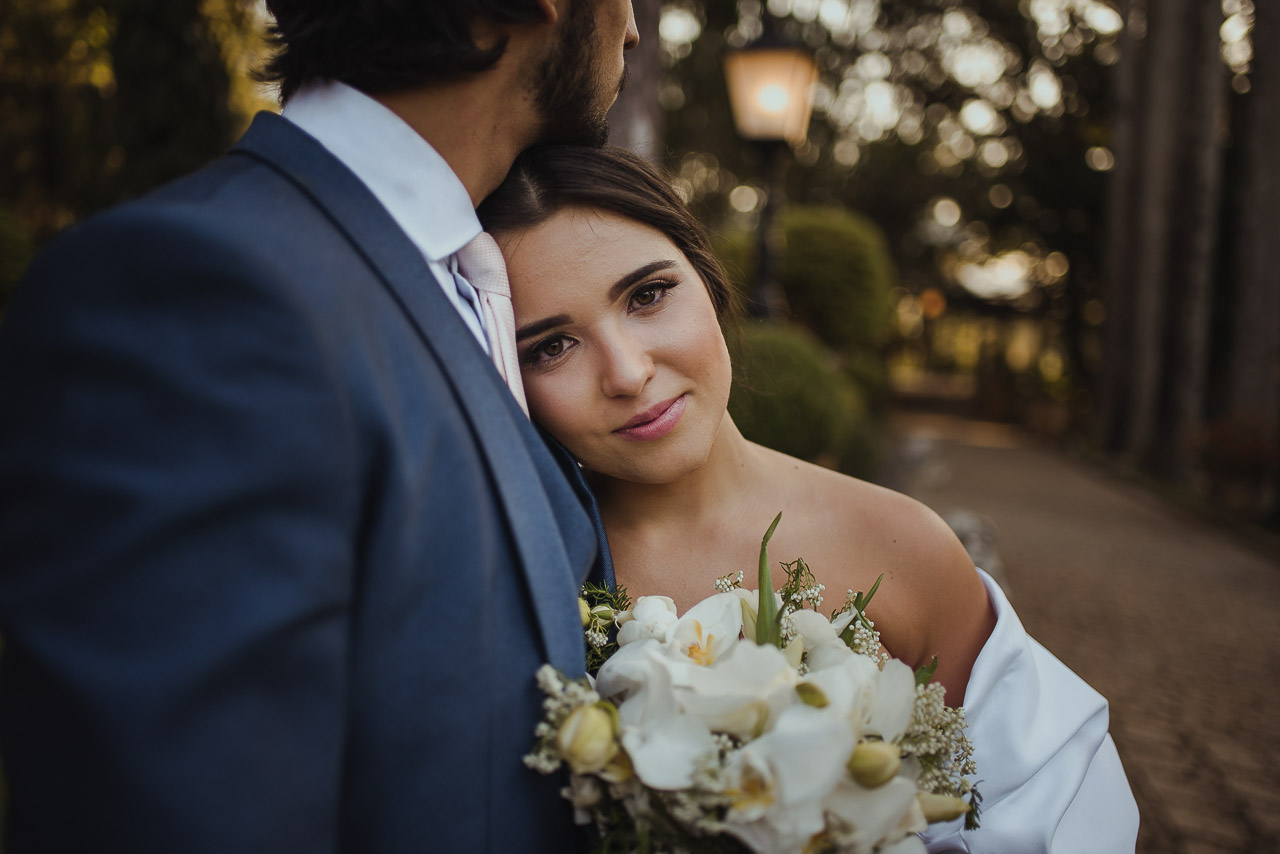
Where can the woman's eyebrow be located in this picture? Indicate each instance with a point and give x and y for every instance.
(636, 275)
(540, 326)
(615, 291)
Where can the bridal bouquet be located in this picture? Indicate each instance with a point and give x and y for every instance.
(751, 723)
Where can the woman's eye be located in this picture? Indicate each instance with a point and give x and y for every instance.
(548, 350)
(648, 295)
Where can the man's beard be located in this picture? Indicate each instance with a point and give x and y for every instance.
(567, 90)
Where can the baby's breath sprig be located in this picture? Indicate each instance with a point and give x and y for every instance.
(563, 696)
(801, 587)
(861, 635)
(937, 739)
(732, 581)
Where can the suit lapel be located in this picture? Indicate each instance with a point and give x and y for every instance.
(501, 428)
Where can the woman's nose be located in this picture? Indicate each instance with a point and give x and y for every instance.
(627, 367)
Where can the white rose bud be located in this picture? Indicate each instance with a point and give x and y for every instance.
(584, 611)
(585, 739)
(941, 807)
(874, 763)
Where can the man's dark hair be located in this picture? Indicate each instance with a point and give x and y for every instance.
(381, 46)
(547, 179)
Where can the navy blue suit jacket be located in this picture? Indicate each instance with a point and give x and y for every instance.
(279, 554)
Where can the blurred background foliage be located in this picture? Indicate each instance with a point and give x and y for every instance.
(1055, 212)
(1075, 195)
(101, 100)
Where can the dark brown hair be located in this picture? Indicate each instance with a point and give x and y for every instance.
(549, 178)
(380, 46)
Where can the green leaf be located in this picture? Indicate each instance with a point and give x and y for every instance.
(861, 601)
(767, 628)
(925, 673)
(872, 592)
(972, 819)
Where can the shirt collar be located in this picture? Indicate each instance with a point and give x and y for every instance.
(409, 177)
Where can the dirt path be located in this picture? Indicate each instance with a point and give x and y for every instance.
(1174, 619)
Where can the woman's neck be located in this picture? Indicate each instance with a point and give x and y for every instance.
(701, 496)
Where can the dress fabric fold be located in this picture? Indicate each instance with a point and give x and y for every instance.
(1050, 776)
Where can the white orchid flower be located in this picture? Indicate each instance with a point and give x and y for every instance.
(779, 782)
(895, 700)
(742, 693)
(708, 630)
(814, 628)
(829, 655)
(877, 701)
(649, 617)
(883, 814)
(664, 744)
(847, 680)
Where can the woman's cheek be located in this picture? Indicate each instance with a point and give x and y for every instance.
(559, 402)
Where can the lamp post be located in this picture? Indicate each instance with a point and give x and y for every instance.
(770, 84)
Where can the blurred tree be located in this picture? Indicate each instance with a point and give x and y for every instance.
(1164, 236)
(104, 99)
(1251, 370)
(999, 108)
(1191, 389)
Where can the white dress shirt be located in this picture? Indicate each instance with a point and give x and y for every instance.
(409, 177)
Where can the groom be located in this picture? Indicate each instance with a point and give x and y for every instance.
(279, 552)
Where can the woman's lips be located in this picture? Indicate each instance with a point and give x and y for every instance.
(655, 422)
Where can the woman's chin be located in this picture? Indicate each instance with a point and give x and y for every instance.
(650, 469)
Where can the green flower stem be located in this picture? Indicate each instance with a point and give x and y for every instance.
(767, 628)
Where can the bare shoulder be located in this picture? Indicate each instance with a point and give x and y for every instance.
(931, 601)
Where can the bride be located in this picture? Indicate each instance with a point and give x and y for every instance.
(620, 306)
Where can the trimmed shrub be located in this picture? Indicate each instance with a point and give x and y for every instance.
(837, 275)
(787, 394)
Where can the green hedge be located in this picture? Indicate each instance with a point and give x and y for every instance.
(838, 277)
(788, 394)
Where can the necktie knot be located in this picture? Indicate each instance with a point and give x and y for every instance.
(482, 264)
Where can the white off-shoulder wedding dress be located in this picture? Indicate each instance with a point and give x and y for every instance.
(1050, 776)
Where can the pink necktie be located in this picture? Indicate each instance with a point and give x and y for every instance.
(481, 263)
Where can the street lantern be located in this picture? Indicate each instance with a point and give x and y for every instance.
(770, 90)
(770, 86)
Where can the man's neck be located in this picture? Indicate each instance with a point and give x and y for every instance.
(478, 125)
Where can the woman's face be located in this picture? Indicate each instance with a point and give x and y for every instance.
(621, 353)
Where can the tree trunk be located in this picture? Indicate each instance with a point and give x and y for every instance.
(1197, 183)
(1122, 194)
(635, 122)
(1253, 377)
(1167, 48)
